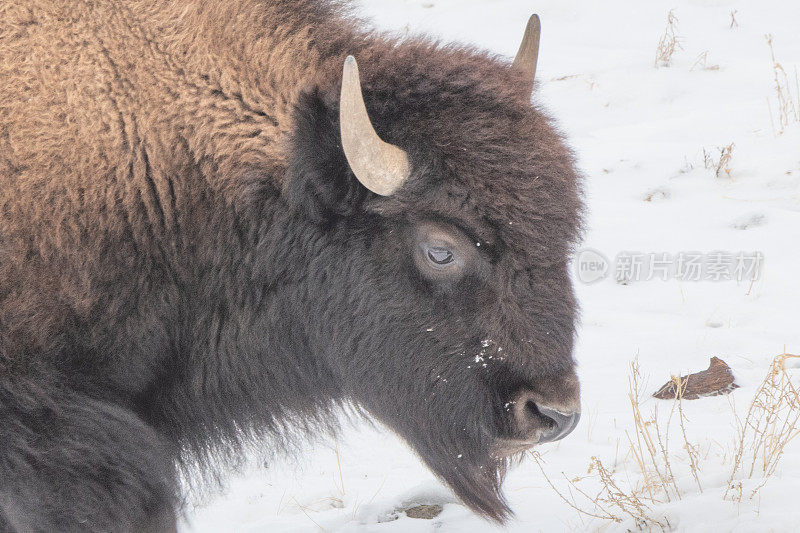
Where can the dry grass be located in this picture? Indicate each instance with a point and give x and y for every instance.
(770, 424)
(598, 512)
(649, 448)
(339, 465)
(720, 163)
(669, 42)
(613, 501)
(691, 450)
(701, 63)
(787, 99)
(609, 495)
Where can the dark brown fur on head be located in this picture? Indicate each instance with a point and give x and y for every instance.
(187, 263)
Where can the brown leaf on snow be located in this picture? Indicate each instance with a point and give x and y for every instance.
(715, 380)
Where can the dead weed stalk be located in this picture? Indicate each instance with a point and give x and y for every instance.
(701, 63)
(649, 448)
(669, 42)
(770, 424)
(611, 502)
(720, 164)
(788, 100)
(691, 450)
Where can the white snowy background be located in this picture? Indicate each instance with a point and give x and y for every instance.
(640, 133)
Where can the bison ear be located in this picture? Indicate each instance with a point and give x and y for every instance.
(320, 183)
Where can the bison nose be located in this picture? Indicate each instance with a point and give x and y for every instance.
(563, 424)
(532, 418)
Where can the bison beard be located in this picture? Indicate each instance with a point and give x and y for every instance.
(462, 455)
(195, 256)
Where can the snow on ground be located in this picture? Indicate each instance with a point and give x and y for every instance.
(640, 133)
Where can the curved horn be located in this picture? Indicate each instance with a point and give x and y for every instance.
(528, 53)
(381, 167)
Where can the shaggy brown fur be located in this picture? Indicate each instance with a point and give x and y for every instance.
(186, 259)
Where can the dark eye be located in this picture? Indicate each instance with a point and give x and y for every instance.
(442, 253)
(440, 256)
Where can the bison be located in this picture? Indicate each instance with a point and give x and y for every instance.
(217, 228)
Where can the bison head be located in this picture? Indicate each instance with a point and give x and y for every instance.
(445, 208)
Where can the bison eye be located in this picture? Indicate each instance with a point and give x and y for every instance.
(442, 252)
(440, 256)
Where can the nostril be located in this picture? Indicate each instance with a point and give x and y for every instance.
(536, 414)
(533, 421)
(563, 424)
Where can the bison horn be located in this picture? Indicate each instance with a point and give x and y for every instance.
(528, 53)
(381, 167)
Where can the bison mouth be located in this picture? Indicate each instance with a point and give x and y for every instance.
(469, 423)
(505, 449)
(511, 450)
(475, 472)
